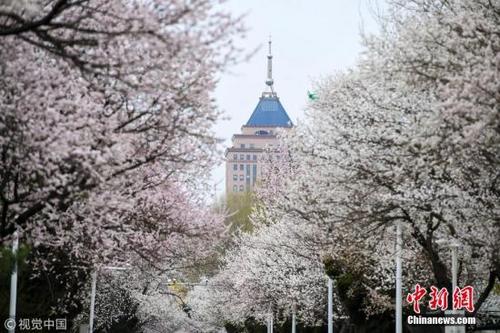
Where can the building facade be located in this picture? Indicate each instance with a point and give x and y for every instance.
(258, 136)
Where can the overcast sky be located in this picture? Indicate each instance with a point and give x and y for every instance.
(311, 39)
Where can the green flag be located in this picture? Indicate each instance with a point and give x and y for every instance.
(312, 95)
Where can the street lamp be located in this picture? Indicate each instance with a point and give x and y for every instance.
(13, 285)
(270, 322)
(399, 291)
(93, 289)
(330, 305)
(453, 245)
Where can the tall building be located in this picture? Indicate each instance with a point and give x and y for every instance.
(244, 158)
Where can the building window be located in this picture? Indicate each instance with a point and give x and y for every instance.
(242, 167)
(242, 157)
(252, 145)
(242, 188)
(248, 157)
(254, 157)
(235, 188)
(235, 177)
(235, 156)
(235, 167)
(242, 177)
(242, 145)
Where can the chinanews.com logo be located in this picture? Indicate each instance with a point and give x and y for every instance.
(462, 301)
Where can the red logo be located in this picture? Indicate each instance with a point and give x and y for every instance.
(416, 297)
(439, 298)
(463, 298)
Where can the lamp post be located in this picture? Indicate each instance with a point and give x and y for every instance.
(399, 291)
(453, 245)
(454, 264)
(13, 285)
(330, 305)
(294, 320)
(269, 320)
(270, 323)
(93, 291)
(454, 276)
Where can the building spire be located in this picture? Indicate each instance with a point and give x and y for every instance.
(269, 80)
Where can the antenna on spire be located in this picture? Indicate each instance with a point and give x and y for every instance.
(269, 80)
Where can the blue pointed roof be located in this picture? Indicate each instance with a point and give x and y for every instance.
(269, 113)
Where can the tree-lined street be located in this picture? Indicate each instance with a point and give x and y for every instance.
(391, 182)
